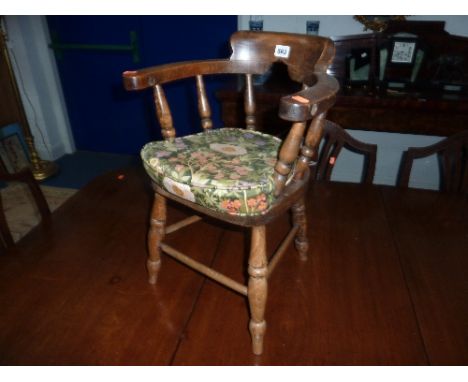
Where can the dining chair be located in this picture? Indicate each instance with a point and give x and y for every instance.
(24, 176)
(334, 139)
(452, 154)
(239, 176)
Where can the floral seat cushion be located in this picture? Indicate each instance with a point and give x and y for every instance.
(229, 169)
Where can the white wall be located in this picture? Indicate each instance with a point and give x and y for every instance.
(329, 25)
(39, 85)
(425, 172)
(343, 25)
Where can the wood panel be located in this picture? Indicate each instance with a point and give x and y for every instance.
(431, 233)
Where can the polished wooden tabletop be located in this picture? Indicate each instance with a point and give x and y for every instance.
(385, 284)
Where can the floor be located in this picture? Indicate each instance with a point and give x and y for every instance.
(78, 169)
(76, 293)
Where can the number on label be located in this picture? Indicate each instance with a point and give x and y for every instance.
(282, 51)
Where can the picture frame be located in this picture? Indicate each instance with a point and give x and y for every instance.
(14, 154)
(403, 52)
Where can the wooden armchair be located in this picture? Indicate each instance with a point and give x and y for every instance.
(235, 175)
(25, 176)
(453, 159)
(334, 139)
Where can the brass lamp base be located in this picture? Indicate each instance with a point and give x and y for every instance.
(41, 169)
(44, 169)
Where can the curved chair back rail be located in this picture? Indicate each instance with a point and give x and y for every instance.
(306, 57)
(252, 53)
(452, 153)
(335, 138)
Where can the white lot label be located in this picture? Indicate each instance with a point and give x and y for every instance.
(282, 51)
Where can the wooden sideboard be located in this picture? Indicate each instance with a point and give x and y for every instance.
(426, 105)
(361, 112)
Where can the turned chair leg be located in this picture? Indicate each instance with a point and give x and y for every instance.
(300, 219)
(257, 288)
(155, 236)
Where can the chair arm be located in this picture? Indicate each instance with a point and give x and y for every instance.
(309, 102)
(155, 75)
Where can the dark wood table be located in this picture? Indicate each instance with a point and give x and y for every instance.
(385, 284)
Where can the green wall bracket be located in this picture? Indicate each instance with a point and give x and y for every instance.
(59, 47)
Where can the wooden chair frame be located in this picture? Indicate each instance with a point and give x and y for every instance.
(335, 138)
(253, 53)
(27, 177)
(453, 152)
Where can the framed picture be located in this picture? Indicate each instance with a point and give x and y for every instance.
(403, 52)
(13, 150)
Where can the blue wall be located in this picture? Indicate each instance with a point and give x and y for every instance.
(105, 117)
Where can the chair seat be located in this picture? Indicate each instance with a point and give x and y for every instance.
(228, 170)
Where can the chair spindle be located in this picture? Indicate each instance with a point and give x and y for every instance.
(287, 155)
(249, 103)
(310, 146)
(163, 113)
(257, 291)
(203, 104)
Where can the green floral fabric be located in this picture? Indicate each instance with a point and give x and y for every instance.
(229, 170)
